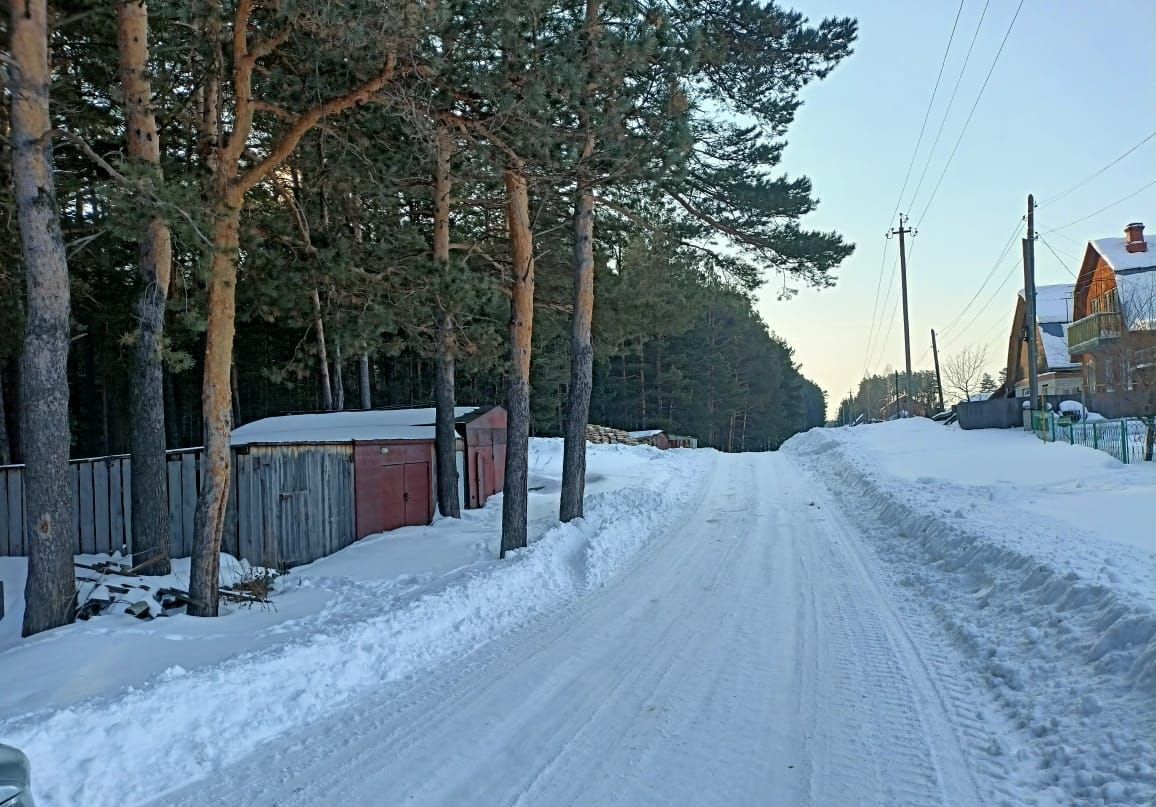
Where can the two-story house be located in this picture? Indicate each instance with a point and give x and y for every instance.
(1113, 333)
(1058, 374)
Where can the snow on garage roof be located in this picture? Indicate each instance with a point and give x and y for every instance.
(1054, 303)
(1120, 259)
(642, 435)
(341, 427)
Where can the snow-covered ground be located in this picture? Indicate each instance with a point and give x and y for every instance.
(1037, 564)
(893, 614)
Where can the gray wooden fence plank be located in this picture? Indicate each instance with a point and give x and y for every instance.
(74, 477)
(118, 539)
(87, 508)
(14, 483)
(189, 486)
(176, 524)
(126, 499)
(101, 538)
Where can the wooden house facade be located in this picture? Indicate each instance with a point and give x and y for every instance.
(1058, 374)
(1113, 333)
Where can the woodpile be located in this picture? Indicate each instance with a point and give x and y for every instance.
(604, 435)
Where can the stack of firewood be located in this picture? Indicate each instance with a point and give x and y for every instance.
(605, 434)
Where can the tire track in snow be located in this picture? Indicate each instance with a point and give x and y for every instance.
(741, 659)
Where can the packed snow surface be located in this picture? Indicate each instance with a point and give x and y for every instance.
(894, 614)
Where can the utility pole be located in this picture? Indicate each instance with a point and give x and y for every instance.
(938, 382)
(897, 394)
(902, 231)
(1030, 300)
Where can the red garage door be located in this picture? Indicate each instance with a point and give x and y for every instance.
(391, 486)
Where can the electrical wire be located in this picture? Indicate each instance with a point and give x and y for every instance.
(991, 273)
(1101, 210)
(910, 165)
(1090, 177)
(950, 102)
(970, 114)
(1057, 257)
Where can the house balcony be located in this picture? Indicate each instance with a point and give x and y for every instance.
(1095, 332)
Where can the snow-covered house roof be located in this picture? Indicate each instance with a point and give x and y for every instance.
(646, 434)
(1115, 254)
(1054, 302)
(1136, 290)
(341, 427)
(1054, 343)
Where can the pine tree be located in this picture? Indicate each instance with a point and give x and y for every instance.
(49, 593)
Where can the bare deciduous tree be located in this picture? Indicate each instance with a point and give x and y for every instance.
(962, 371)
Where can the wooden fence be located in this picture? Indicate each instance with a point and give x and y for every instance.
(288, 505)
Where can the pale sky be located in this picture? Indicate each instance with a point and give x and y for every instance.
(1074, 88)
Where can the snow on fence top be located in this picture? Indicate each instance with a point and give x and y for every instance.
(341, 427)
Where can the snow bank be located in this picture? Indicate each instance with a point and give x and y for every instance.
(123, 747)
(1038, 560)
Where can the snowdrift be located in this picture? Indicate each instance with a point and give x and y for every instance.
(1053, 610)
(132, 743)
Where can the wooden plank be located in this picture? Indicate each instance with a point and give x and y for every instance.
(74, 478)
(101, 538)
(14, 485)
(189, 487)
(119, 531)
(126, 499)
(87, 508)
(229, 534)
(176, 525)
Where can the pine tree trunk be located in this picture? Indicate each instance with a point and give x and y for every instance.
(338, 378)
(577, 415)
(216, 407)
(445, 433)
(516, 493)
(581, 362)
(322, 355)
(49, 594)
(449, 503)
(363, 381)
(150, 516)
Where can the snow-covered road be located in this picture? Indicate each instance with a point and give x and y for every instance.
(751, 656)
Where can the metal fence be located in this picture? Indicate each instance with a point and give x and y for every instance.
(1126, 439)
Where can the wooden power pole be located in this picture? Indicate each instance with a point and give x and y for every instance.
(1030, 300)
(902, 231)
(938, 381)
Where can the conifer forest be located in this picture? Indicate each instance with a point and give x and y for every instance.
(221, 210)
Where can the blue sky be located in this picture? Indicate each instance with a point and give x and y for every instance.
(1072, 90)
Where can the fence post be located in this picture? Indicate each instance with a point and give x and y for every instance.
(1071, 434)
(1052, 421)
(1124, 441)
(1095, 436)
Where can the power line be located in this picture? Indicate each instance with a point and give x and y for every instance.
(963, 131)
(984, 307)
(1089, 178)
(950, 101)
(1057, 257)
(1102, 209)
(907, 177)
(931, 103)
(875, 306)
(991, 273)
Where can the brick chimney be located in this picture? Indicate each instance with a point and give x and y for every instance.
(1134, 238)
